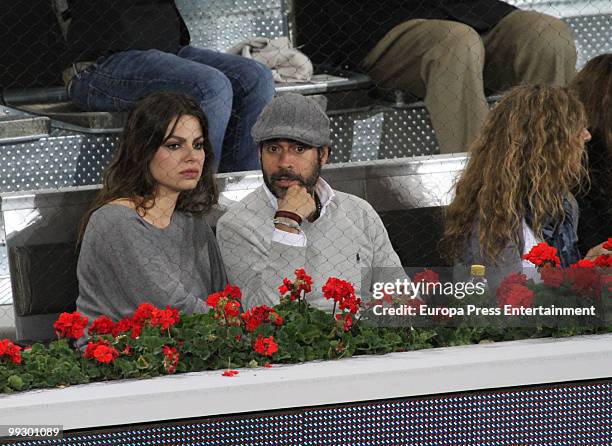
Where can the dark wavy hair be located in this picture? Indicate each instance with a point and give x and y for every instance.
(128, 175)
(594, 87)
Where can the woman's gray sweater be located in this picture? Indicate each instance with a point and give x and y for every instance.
(125, 261)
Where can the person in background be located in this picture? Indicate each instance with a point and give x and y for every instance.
(296, 220)
(593, 84)
(450, 53)
(516, 188)
(144, 238)
(124, 50)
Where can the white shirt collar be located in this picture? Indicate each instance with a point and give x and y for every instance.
(322, 189)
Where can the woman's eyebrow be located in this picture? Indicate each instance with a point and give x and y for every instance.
(181, 139)
(178, 138)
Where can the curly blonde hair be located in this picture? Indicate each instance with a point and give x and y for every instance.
(528, 157)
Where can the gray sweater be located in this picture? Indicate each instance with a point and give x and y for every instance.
(348, 242)
(125, 261)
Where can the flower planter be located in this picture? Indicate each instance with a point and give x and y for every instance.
(509, 392)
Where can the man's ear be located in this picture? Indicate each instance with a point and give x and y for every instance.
(324, 154)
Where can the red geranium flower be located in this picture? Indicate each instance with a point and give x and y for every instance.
(232, 291)
(122, 326)
(585, 281)
(541, 254)
(256, 316)
(70, 325)
(517, 296)
(265, 346)
(252, 320)
(343, 293)
(102, 325)
(608, 244)
(101, 351)
(276, 318)
(552, 276)
(303, 280)
(604, 260)
(165, 318)
(286, 287)
(226, 305)
(10, 350)
(352, 304)
(337, 289)
(232, 308)
(171, 359)
(143, 312)
(508, 281)
(105, 354)
(136, 330)
(230, 373)
(213, 299)
(303, 283)
(583, 263)
(348, 321)
(512, 291)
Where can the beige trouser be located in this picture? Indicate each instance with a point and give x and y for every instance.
(444, 61)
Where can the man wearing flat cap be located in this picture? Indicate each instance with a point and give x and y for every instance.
(295, 219)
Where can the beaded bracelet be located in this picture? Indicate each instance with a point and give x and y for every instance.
(289, 224)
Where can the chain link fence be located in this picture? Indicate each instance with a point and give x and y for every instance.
(402, 84)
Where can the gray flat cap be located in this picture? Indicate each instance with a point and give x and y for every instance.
(293, 116)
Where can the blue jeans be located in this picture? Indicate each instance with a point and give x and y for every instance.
(232, 91)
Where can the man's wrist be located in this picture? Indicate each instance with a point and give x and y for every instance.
(286, 225)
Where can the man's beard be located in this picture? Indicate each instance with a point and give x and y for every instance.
(308, 183)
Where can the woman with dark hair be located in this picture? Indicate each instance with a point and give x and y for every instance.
(144, 240)
(516, 188)
(594, 87)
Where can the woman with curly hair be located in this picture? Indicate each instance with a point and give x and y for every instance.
(516, 188)
(144, 238)
(594, 87)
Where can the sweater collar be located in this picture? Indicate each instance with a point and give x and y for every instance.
(322, 189)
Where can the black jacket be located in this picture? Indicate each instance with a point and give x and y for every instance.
(100, 27)
(341, 33)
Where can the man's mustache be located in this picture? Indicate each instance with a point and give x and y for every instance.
(286, 175)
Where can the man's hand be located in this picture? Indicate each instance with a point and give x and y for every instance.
(597, 251)
(297, 200)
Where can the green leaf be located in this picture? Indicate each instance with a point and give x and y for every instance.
(15, 382)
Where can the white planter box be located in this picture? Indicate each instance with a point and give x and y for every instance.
(397, 375)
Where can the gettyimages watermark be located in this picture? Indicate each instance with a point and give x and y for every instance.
(426, 297)
(405, 287)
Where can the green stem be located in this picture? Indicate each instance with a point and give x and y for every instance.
(301, 304)
(356, 321)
